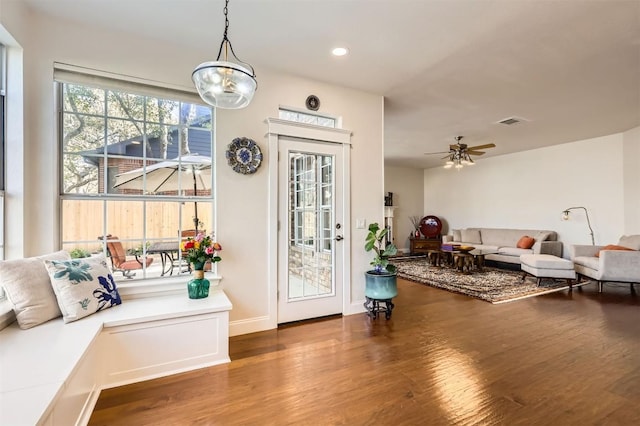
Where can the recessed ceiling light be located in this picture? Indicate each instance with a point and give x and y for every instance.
(340, 51)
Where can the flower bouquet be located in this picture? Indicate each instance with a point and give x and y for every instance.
(200, 249)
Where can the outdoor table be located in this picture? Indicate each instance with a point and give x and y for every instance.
(168, 252)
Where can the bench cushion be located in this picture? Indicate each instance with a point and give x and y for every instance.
(28, 288)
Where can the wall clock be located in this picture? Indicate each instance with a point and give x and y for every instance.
(312, 102)
(244, 155)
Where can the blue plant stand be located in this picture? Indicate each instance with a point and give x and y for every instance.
(380, 289)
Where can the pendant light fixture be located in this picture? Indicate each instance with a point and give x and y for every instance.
(229, 83)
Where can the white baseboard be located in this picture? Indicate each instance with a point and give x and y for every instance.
(251, 325)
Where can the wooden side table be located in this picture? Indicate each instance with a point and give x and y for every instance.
(423, 245)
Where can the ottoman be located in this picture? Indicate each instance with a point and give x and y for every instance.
(547, 266)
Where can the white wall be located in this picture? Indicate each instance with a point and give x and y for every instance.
(241, 200)
(530, 190)
(631, 176)
(408, 195)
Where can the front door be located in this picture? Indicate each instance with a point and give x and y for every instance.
(310, 229)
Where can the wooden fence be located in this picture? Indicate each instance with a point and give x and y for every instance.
(83, 221)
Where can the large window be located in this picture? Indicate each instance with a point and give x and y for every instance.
(136, 173)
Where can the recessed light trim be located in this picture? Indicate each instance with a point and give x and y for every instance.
(339, 51)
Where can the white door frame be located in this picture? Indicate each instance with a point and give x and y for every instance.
(278, 128)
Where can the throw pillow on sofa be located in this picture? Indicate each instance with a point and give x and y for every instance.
(28, 288)
(630, 241)
(525, 242)
(457, 235)
(613, 247)
(83, 286)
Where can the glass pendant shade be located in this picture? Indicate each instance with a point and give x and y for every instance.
(224, 84)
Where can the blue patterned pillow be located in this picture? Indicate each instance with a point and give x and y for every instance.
(82, 286)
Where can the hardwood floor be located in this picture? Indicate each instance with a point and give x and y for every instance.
(569, 358)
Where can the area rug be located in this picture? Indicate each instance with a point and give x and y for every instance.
(492, 284)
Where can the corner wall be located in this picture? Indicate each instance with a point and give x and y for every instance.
(408, 196)
(241, 200)
(631, 177)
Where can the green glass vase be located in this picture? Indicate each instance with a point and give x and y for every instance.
(198, 287)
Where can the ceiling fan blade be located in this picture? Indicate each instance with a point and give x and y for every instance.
(446, 156)
(489, 145)
(455, 147)
(439, 152)
(475, 152)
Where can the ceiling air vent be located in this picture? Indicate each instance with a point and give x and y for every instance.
(511, 120)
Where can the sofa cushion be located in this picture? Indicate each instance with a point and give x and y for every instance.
(471, 236)
(514, 251)
(587, 261)
(457, 235)
(28, 288)
(503, 237)
(83, 286)
(542, 236)
(613, 247)
(631, 241)
(525, 242)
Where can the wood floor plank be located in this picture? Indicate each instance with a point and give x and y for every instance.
(569, 358)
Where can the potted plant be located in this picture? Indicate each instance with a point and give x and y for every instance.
(381, 282)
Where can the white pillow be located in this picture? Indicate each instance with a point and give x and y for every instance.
(541, 236)
(457, 235)
(28, 288)
(83, 286)
(471, 236)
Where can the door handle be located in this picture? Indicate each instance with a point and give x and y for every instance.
(339, 238)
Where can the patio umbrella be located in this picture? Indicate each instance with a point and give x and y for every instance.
(178, 174)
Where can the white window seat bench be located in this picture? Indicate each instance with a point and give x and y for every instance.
(52, 374)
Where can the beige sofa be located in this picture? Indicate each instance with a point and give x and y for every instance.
(505, 241)
(610, 265)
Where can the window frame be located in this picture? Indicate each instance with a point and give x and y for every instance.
(104, 195)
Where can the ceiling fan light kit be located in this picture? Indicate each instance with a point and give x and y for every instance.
(225, 84)
(459, 155)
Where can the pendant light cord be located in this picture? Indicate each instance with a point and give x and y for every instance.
(225, 39)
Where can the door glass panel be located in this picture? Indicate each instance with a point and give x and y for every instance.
(310, 225)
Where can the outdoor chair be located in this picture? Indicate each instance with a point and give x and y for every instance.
(119, 260)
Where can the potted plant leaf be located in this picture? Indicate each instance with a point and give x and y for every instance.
(381, 281)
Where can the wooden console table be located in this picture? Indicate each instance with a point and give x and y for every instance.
(423, 245)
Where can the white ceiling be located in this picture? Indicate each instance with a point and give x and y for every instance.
(571, 68)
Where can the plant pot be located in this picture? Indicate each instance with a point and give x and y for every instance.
(381, 286)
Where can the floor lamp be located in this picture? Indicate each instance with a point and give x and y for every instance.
(565, 216)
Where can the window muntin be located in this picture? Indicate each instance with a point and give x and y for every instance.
(106, 132)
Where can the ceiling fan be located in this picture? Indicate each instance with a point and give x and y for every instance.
(459, 154)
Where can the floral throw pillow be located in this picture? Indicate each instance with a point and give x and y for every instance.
(82, 286)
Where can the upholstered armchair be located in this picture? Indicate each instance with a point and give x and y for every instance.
(609, 263)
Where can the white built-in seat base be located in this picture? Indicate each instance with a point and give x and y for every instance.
(52, 374)
(547, 266)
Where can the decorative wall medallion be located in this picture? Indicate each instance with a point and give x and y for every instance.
(312, 102)
(244, 155)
